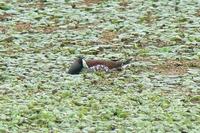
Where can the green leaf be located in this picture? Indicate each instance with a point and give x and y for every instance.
(4, 6)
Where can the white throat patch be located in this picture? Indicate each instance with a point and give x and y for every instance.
(84, 63)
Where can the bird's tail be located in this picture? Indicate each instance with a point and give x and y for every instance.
(126, 62)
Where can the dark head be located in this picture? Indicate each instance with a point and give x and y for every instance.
(77, 66)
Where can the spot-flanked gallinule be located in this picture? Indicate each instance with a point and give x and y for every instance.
(95, 65)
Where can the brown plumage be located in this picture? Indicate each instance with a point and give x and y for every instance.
(109, 64)
(105, 65)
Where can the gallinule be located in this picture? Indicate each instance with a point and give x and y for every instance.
(95, 65)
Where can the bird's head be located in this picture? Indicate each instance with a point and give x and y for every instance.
(77, 66)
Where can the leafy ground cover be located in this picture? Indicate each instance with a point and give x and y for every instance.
(158, 92)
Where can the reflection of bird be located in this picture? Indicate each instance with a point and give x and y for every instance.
(104, 65)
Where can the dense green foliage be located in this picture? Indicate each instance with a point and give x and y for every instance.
(158, 92)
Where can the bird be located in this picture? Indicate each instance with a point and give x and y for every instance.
(95, 65)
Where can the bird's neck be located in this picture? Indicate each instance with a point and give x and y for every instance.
(84, 64)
